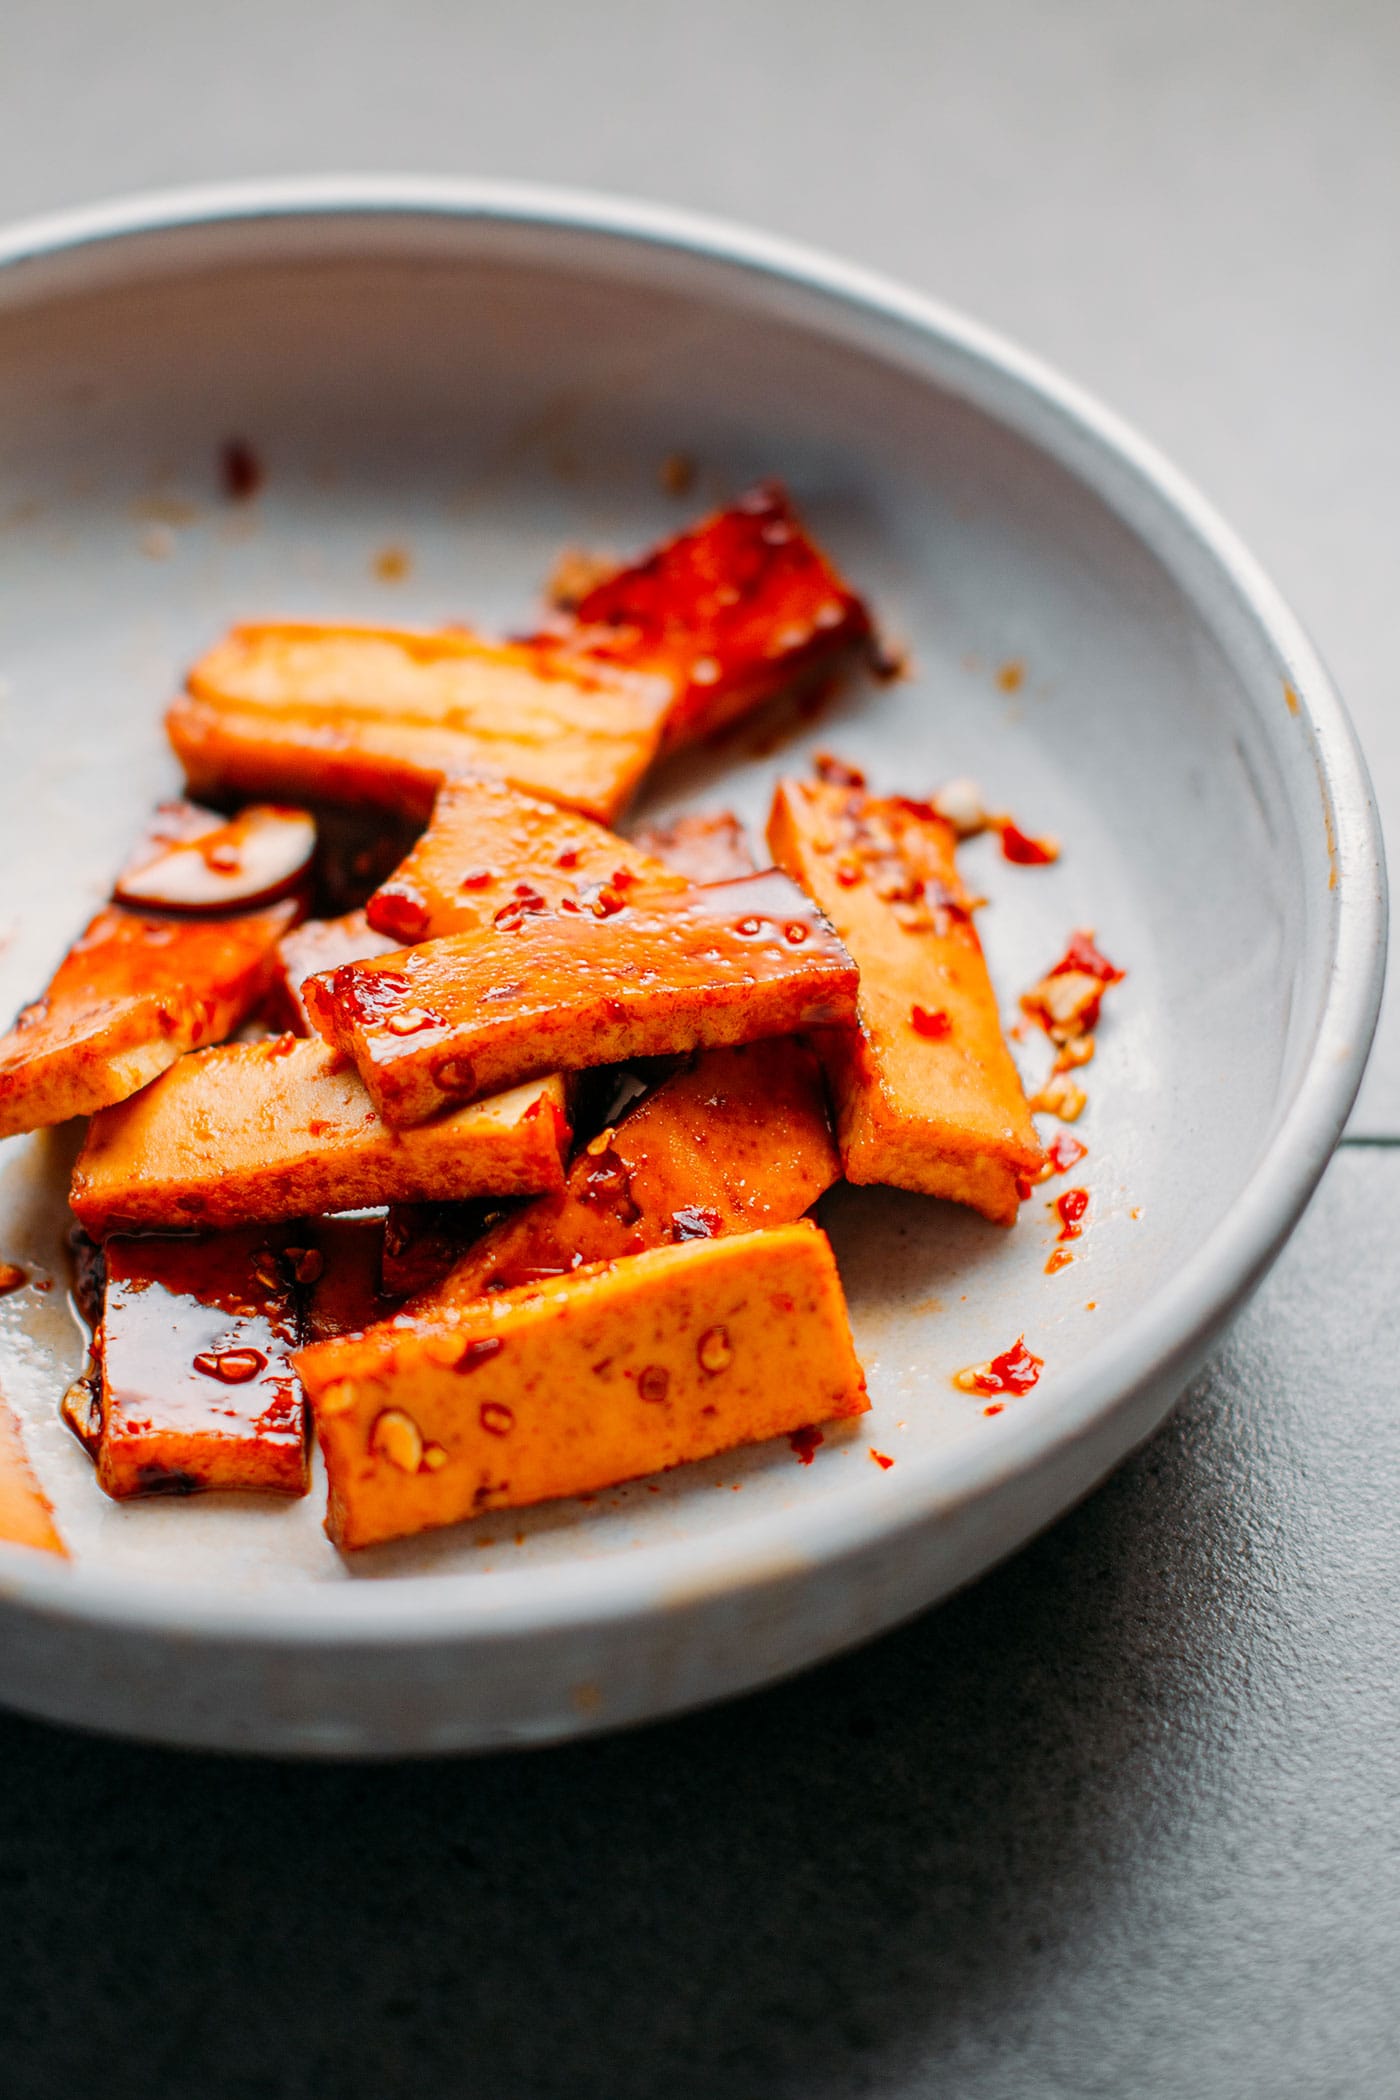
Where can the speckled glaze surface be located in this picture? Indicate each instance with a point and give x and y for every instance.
(474, 378)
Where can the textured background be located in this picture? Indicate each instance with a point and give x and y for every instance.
(1125, 1819)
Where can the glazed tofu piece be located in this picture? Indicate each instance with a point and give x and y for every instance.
(132, 995)
(194, 1387)
(738, 1140)
(385, 715)
(576, 1383)
(729, 614)
(491, 853)
(341, 1268)
(253, 1132)
(314, 946)
(710, 846)
(926, 1094)
(463, 1016)
(26, 1514)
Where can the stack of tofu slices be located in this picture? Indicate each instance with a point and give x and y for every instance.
(489, 1150)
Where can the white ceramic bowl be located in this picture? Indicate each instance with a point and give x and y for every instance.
(479, 376)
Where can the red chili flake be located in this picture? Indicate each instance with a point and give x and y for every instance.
(1014, 1371)
(804, 1442)
(1065, 1151)
(569, 858)
(367, 995)
(477, 879)
(608, 901)
(1082, 954)
(623, 878)
(835, 771)
(848, 872)
(1026, 852)
(478, 1352)
(880, 1459)
(934, 1024)
(496, 1418)
(1071, 1207)
(232, 1366)
(653, 1382)
(240, 470)
(608, 1185)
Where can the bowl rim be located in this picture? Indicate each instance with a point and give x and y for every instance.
(1165, 1337)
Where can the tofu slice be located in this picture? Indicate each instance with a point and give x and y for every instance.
(195, 1388)
(386, 715)
(729, 613)
(927, 1096)
(490, 851)
(132, 995)
(26, 1514)
(576, 1383)
(708, 846)
(462, 1016)
(740, 1139)
(317, 945)
(252, 1132)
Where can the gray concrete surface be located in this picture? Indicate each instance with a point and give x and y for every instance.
(1125, 1819)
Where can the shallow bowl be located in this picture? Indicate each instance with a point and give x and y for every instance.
(448, 383)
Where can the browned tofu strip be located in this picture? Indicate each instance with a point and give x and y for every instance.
(195, 1386)
(252, 1132)
(26, 1514)
(382, 715)
(738, 1140)
(730, 613)
(491, 852)
(927, 1096)
(575, 1383)
(463, 1016)
(709, 846)
(314, 946)
(133, 994)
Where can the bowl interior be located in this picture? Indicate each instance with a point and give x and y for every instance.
(476, 399)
